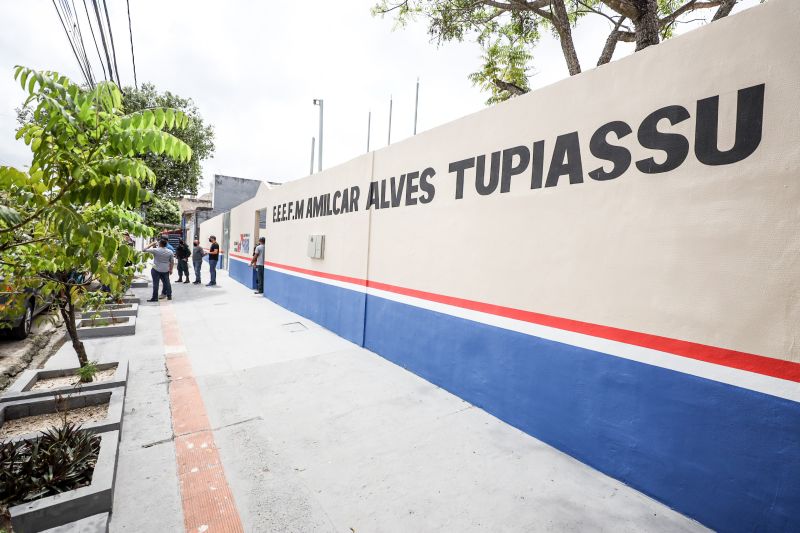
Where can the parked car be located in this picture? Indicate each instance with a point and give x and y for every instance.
(20, 317)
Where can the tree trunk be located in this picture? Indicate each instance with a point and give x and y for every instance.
(67, 308)
(646, 25)
(724, 9)
(561, 24)
(611, 44)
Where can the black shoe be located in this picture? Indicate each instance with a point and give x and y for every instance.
(197, 283)
(151, 300)
(169, 297)
(185, 282)
(179, 280)
(258, 292)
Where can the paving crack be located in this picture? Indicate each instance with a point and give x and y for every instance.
(173, 437)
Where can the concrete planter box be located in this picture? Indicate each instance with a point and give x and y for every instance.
(94, 524)
(139, 283)
(39, 406)
(21, 389)
(114, 310)
(89, 328)
(67, 508)
(127, 298)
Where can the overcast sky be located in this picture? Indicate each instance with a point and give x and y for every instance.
(254, 67)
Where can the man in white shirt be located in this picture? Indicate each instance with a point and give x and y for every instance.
(258, 263)
(163, 260)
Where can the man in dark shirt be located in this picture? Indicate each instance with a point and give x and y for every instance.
(183, 253)
(197, 260)
(213, 257)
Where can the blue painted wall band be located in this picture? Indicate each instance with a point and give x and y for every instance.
(724, 455)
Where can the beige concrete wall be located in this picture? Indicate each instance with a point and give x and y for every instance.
(212, 226)
(701, 253)
(346, 235)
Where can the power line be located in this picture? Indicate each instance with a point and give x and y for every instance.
(91, 29)
(113, 49)
(103, 39)
(77, 55)
(77, 26)
(133, 57)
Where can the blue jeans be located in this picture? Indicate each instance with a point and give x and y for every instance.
(260, 278)
(160, 277)
(212, 266)
(197, 266)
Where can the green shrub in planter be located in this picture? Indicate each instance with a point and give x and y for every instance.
(62, 459)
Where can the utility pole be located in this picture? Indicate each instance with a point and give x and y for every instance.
(369, 126)
(416, 106)
(390, 121)
(319, 152)
(311, 169)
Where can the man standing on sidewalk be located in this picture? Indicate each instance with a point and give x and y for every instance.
(213, 257)
(197, 260)
(183, 254)
(258, 263)
(163, 260)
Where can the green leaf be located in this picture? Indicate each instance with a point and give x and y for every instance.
(9, 216)
(109, 248)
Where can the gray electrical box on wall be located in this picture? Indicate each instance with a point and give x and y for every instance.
(316, 246)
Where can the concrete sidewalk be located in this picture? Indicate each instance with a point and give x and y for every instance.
(317, 434)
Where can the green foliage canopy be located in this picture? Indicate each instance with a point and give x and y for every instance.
(174, 178)
(508, 30)
(163, 211)
(63, 220)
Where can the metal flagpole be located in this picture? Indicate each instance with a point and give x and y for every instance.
(389, 141)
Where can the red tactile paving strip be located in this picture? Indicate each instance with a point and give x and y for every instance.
(207, 499)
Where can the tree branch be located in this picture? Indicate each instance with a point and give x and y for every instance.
(724, 9)
(691, 5)
(611, 43)
(623, 7)
(512, 88)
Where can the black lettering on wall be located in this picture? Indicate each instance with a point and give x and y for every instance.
(601, 149)
(481, 186)
(749, 121)
(372, 196)
(510, 169)
(355, 192)
(426, 186)
(298, 208)
(310, 208)
(397, 190)
(537, 165)
(384, 202)
(336, 196)
(460, 168)
(411, 188)
(566, 160)
(675, 145)
(318, 206)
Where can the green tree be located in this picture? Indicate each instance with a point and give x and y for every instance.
(62, 221)
(163, 211)
(174, 178)
(507, 30)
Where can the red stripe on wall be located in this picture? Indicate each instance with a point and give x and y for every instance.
(758, 364)
(238, 256)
